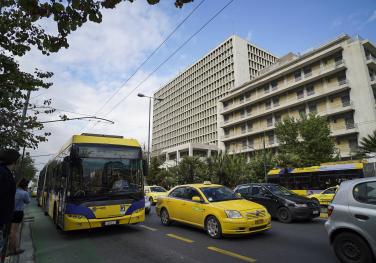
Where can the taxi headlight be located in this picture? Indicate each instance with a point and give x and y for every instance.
(233, 214)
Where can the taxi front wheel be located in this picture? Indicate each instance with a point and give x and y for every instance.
(165, 217)
(213, 227)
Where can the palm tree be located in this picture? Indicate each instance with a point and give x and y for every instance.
(368, 144)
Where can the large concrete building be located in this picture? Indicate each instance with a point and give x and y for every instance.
(188, 112)
(336, 80)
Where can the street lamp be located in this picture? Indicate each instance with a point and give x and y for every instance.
(150, 99)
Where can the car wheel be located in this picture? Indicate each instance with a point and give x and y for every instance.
(213, 227)
(165, 217)
(284, 215)
(351, 248)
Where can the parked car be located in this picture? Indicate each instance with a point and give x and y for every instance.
(212, 207)
(325, 197)
(280, 202)
(352, 221)
(153, 192)
(147, 205)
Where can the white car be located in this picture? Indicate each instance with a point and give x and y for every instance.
(147, 205)
(352, 221)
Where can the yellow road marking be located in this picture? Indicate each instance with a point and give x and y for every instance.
(148, 228)
(232, 254)
(180, 238)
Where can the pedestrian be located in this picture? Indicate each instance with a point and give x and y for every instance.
(8, 160)
(21, 198)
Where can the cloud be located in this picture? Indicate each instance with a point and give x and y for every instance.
(249, 36)
(99, 59)
(372, 17)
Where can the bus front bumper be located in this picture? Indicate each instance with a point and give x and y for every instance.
(78, 222)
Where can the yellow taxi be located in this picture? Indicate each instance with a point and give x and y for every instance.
(212, 207)
(153, 192)
(325, 197)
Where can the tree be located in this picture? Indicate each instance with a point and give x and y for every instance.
(190, 170)
(19, 31)
(368, 144)
(257, 165)
(27, 169)
(304, 142)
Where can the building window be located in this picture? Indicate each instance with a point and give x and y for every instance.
(271, 139)
(312, 108)
(266, 89)
(242, 114)
(353, 145)
(298, 75)
(268, 105)
(342, 79)
(250, 126)
(277, 118)
(269, 121)
(338, 60)
(249, 111)
(275, 101)
(225, 104)
(226, 119)
(310, 90)
(274, 85)
(244, 129)
(307, 72)
(345, 100)
(349, 121)
(241, 99)
(247, 95)
(300, 94)
(302, 112)
(244, 144)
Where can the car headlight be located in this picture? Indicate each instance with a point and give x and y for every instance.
(300, 205)
(291, 203)
(233, 214)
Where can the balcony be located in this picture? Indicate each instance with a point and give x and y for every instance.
(344, 85)
(318, 74)
(348, 129)
(371, 61)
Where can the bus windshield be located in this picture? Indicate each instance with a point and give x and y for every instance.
(108, 175)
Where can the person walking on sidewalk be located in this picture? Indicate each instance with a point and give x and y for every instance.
(8, 160)
(21, 198)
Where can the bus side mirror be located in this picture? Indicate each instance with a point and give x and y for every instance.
(145, 167)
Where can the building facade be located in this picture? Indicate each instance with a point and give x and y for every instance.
(188, 112)
(336, 80)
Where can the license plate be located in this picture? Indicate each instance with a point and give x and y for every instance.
(259, 221)
(315, 212)
(110, 223)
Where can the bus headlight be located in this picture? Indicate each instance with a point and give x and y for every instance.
(75, 216)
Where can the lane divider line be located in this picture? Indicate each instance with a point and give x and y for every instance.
(232, 254)
(148, 228)
(180, 238)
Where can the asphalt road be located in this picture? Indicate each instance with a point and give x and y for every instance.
(152, 242)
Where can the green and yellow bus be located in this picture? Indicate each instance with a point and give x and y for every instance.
(94, 181)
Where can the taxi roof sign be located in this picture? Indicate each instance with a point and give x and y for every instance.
(207, 182)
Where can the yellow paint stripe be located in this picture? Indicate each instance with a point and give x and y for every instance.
(180, 238)
(232, 254)
(148, 228)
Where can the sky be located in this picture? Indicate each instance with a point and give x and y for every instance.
(101, 57)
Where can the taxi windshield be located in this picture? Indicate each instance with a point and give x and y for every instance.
(218, 194)
(157, 189)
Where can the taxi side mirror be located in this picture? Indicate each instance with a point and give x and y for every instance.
(196, 199)
(238, 195)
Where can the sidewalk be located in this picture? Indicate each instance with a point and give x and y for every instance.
(26, 242)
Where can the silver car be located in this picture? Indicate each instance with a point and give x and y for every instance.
(352, 221)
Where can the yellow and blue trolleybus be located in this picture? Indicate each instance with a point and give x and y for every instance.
(94, 181)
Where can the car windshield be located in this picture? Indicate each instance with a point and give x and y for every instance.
(157, 189)
(279, 190)
(218, 194)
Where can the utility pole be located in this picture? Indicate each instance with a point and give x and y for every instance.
(264, 156)
(24, 112)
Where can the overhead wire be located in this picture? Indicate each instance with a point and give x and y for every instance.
(147, 58)
(169, 57)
